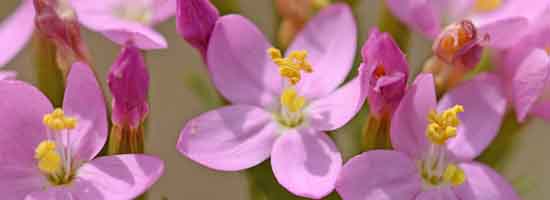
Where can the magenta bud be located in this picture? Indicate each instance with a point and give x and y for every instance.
(195, 20)
(57, 20)
(383, 73)
(460, 45)
(128, 81)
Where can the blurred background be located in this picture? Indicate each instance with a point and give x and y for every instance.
(177, 72)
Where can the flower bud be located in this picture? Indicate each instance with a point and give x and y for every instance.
(460, 45)
(195, 20)
(383, 73)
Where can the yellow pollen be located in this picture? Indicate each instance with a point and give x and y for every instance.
(547, 49)
(442, 126)
(292, 101)
(291, 66)
(58, 121)
(487, 5)
(49, 161)
(454, 175)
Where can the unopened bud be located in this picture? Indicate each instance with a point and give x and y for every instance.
(195, 20)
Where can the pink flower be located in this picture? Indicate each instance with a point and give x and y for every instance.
(384, 73)
(16, 30)
(493, 17)
(435, 145)
(525, 69)
(7, 75)
(273, 117)
(123, 20)
(48, 154)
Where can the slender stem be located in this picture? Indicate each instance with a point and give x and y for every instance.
(50, 78)
(376, 133)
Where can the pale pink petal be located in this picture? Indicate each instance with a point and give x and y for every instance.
(143, 36)
(306, 163)
(22, 108)
(380, 175)
(7, 75)
(163, 10)
(542, 110)
(330, 39)
(423, 16)
(18, 181)
(484, 183)
(15, 31)
(498, 30)
(484, 107)
(117, 177)
(239, 64)
(230, 138)
(529, 80)
(52, 194)
(84, 100)
(335, 110)
(408, 126)
(444, 193)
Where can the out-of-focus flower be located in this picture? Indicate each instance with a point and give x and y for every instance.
(48, 154)
(383, 73)
(460, 45)
(16, 30)
(493, 17)
(525, 69)
(124, 20)
(7, 75)
(435, 145)
(56, 20)
(281, 104)
(195, 21)
(129, 84)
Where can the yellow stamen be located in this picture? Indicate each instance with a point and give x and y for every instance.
(49, 161)
(291, 66)
(292, 101)
(442, 126)
(454, 175)
(487, 5)
(58, 121)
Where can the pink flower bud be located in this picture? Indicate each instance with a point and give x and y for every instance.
(460, 45)
(195, 22)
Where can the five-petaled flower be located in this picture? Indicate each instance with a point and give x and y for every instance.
(282, 104)
(48, 153)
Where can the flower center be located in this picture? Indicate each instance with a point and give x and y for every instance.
(54, 154)
(487, 5)
(436, 169)
(292, 104)
(138, 12)
(379, 71)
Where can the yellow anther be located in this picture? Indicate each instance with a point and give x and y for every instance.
(547, 49)
(57, 120)
(487, 5)
(291, 66)
(292, 101)
(454, 175)
(49, 161)
(443, 126)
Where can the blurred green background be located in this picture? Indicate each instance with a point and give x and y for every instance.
(174, 71)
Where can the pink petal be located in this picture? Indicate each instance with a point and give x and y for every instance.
(484, 183)
(409, 122)
(484, 106)
(18, 181)
(380, 175)
(143, 36)
(84, 100)
(499, 30)
(7, 75)
(51, 194)
(163, 10)
(21, 111)
(239, 64)
(421, 15)
(117, 177)
(15, 31)
(230, 138)
(330, 39)
(542, 110)
(306, 163)
(334, 111)
(529, 80)
(444, 193)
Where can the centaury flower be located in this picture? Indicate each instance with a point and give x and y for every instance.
(525, 68)
(282, 105)
(435, 145)
(123, 20)
(48, 153)
(16, 30)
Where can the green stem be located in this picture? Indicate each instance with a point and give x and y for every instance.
(391, 24)
(50, 77)
(376, 133)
